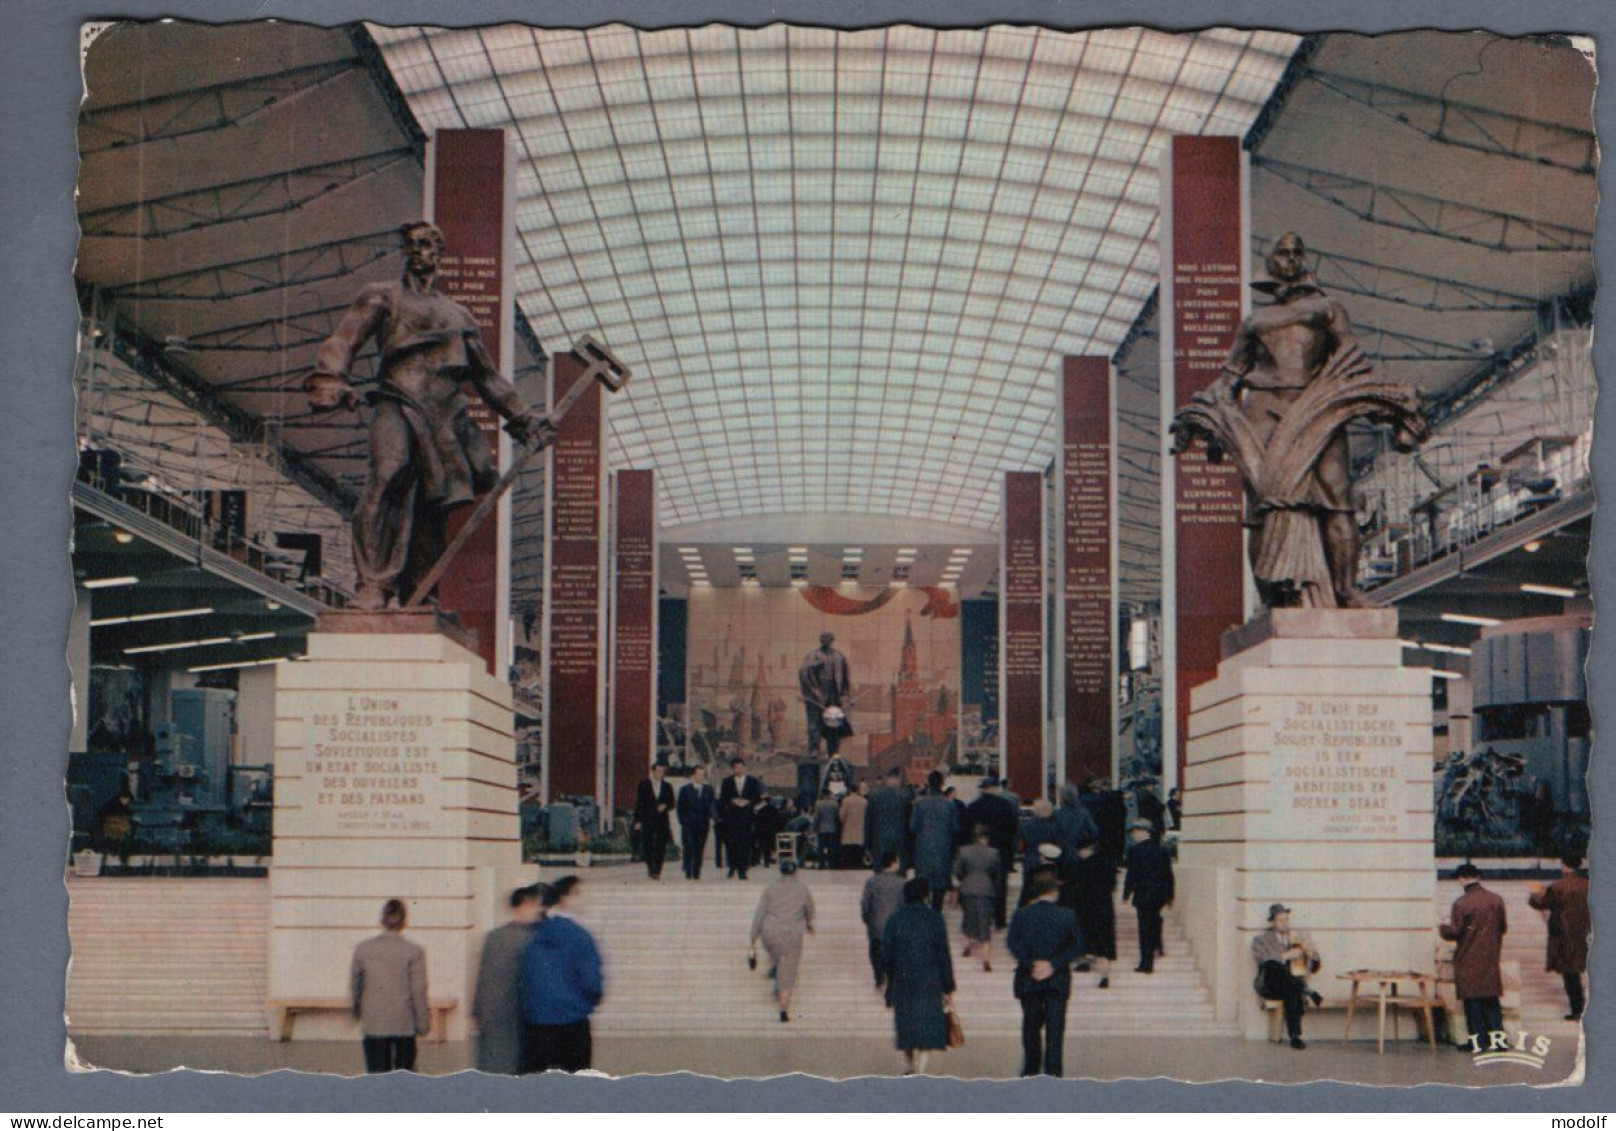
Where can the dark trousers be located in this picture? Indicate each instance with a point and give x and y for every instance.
(654, 844)
(826, 849)
(567, 1047)
(878, 962)
(937, 898)
(718, 845)
(1277, 983)
(389, 1054)
(1483, 1015)
(1043, 1033)
(692, 846)
(1574, 994)
(738, 850)
(1150, 934)
(1001, 897)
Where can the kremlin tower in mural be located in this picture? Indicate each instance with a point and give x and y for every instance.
(923, 723)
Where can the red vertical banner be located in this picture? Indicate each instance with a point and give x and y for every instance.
(1203, 276)
(634, 634)
(468, 206)
(1021, 612)
(1088, 611)
(574, 605)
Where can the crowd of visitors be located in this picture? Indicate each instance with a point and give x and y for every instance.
(540, 977)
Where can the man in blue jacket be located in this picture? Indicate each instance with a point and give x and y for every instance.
(561, 985)
(1044, 940)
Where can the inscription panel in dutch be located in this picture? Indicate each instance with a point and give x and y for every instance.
(1339, 769)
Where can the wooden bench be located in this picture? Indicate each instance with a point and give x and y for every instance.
(1276, 1015)
(284, 1012)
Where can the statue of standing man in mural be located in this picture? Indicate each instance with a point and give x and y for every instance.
(826, 689)
(427, 455)
(1293, 380)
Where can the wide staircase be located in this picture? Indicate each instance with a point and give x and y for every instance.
(161, 956)
(156, 956)
(675, 955)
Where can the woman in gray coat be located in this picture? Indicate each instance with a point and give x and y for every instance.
(784, 915)
(980, 872)
(934, 825)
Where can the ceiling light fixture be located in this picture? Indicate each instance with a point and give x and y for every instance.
(207, 643)
(243, 664)
(1466, 618)
(101, 622)
(110, 582)
(122, 537)
(1549, 590)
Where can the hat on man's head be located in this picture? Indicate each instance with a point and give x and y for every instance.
(787, 867)
(1467, 871)
(1049, 851)
(1277, 909)
(989, 782)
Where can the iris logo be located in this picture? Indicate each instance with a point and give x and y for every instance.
(1496, 1048)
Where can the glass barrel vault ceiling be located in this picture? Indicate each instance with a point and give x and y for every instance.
(843, 265)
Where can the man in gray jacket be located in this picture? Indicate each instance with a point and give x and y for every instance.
(389, 994)
(497, 1005)
(883, 894)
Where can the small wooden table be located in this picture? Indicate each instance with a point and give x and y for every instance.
(1385, 992)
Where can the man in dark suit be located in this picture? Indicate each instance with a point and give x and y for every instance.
(1111, 815)
(1045, 941)
(886, 820)
(1002, 819)
(652, 805)
(1149, 887)
(696, 804)
(737, 802)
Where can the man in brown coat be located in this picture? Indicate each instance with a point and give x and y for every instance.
(1477, 925)
(1566, 901)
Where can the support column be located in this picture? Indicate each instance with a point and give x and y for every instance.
(1203, 276)
(1088, 553)
(575, 595)
(467, 198)
(1021, 621)
(634, 634)
(78, 666)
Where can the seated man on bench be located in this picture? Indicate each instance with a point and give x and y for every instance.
(1283, 962)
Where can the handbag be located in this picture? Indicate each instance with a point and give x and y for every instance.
(956, 1031)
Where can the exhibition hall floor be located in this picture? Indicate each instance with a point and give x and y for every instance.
(1198, 1060)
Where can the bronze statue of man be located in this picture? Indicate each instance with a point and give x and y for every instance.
(826, 688)
(427, 456)
(1293, 379)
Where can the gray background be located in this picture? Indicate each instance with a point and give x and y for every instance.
(39, 92)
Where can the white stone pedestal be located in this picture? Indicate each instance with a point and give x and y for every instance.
(394, 778)
(1309, 783)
